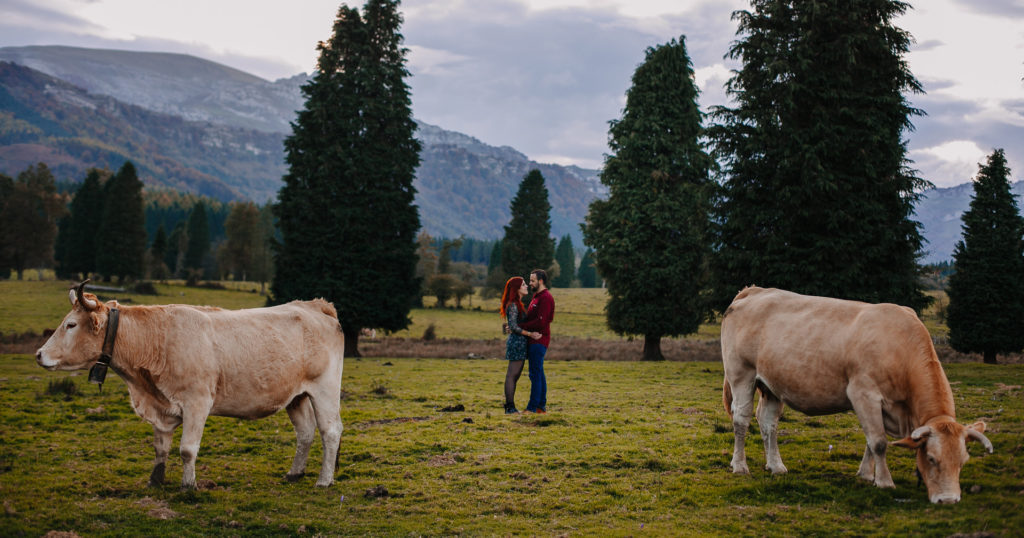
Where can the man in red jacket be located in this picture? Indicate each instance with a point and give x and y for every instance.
(538, 319)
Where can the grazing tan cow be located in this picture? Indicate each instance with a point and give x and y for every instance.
(183, 363)
(823, 356)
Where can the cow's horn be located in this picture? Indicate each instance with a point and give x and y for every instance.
(80, 292)
(980, 437)
(923, 431)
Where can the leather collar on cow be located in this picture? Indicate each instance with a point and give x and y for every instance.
(98, 372)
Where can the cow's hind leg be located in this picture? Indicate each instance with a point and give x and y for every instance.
(768, 412)
(193, 422)
(868, 406)
(326, 398)
(743, 388)
(300, 411)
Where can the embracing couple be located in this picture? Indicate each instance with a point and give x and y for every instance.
(529, 335)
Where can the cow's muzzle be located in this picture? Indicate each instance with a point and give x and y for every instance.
(945, 499)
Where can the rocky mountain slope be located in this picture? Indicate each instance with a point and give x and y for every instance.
(227, 121)
(198, 126)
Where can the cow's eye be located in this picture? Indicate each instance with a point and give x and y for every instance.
(932, 460)
(72, 325)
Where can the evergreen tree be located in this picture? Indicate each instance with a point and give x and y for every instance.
(527, 244)
(86, 217)
(198, 230)
(587, 273)
(6, 191)
(818, 197)
(986, 291)
(243, 238)
(61, 247)
(494, 284)
(157, 251)
(177, 243)
(263, 255)
(565, 255)
(346, 211)
(28, 219)
(121, 240)
(651, 234)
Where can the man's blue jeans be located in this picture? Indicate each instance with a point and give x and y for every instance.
(538, 381)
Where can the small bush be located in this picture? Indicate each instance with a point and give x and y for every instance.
(65, 386)
(380, 389)
(145, 288)
(430, 333)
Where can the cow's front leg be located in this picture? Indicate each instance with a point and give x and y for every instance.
(193, 422)
(868, 406)
(768, 413)
(162, 435)
(867, 466)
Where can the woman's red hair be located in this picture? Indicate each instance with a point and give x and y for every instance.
(511, 294)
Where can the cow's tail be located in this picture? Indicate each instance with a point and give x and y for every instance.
(727, 397)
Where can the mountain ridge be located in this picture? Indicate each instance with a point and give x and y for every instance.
(206, 97)
(199, 126)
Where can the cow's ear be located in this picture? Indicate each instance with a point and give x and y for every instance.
(73, 297)
(910, 443)
(974, 431)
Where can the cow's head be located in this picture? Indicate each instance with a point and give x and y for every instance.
(78, 342)
(941, 447)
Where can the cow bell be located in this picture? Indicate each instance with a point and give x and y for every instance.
(98, 373)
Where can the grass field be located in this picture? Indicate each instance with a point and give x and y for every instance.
(627, 449)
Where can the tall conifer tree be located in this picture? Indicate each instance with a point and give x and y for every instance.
(986, 291)
(651, 234)
(86, 217)
(198, 230)
(29, 214)
(527, 244)
(565, 255)
(346, 213)
(587, 273)
(121, 241)
(819, 196)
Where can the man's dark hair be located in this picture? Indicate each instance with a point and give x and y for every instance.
(542, 275)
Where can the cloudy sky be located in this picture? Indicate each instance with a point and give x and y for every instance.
(546, 76)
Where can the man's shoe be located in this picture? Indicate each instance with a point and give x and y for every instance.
(541, 412)
(511, 411)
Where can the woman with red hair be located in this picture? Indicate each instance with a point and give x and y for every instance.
(513, 311)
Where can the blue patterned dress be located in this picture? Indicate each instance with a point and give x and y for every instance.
(515, 347)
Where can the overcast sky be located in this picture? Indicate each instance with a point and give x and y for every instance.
(546, 76)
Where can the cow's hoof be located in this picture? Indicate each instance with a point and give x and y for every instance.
(188, 486)
(156, 478)
(781, 469)
(740, 468)
(324, 483)
(885, 484)
(294, 477)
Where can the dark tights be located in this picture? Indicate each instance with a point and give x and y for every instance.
(515, 369)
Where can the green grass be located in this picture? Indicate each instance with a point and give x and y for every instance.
(36, 305)
(627, 449)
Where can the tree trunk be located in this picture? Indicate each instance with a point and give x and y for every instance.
(652, 348)
(990, 357)
(351, 342)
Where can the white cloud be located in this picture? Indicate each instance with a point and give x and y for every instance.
(950, 163)
(428, 61)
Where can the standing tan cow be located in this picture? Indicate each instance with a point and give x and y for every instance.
(822, 356)
(183, 363)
